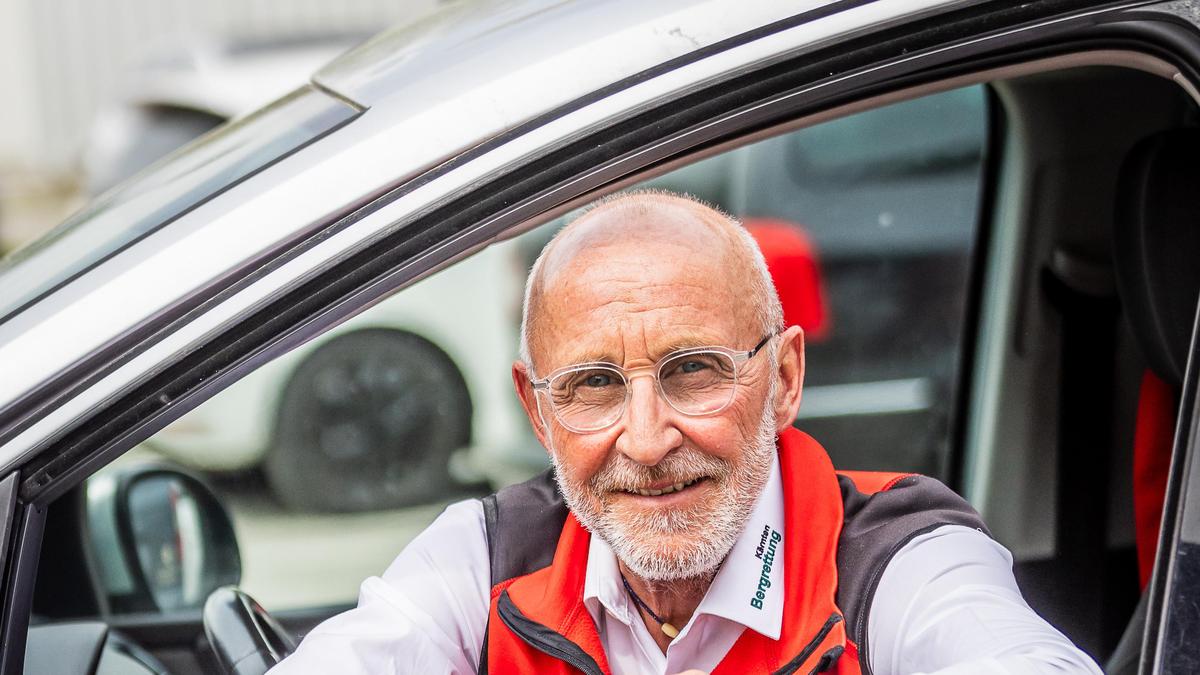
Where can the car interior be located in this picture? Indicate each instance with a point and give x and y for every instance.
(1091, 306)
(1079, 300)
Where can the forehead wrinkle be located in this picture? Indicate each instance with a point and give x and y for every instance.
(683, 304)
(630, 332)
(638, 246)
(646, 221)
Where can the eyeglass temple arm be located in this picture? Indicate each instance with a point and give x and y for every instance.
(761, 343)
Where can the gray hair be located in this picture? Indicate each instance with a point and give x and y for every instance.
(764, 298)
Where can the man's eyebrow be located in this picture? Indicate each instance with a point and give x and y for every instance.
(592, 357)
(603, 356)
(688, 342)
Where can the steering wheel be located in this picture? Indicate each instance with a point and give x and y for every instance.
(245, 639)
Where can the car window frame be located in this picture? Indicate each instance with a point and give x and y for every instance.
(1169, 597)
(466, 224)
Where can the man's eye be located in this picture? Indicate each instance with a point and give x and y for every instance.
(687, 366)
(597, 380)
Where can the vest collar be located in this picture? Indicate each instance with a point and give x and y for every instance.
(813, 629)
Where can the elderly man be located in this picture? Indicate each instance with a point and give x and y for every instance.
(686, 524)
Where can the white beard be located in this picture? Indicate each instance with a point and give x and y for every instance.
(675, 544)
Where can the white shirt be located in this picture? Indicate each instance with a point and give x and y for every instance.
(947, 603)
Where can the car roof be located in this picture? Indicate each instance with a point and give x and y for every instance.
(468, 45)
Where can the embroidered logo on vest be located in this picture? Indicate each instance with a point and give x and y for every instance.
(767, 546)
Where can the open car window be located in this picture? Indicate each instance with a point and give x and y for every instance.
(331, 457)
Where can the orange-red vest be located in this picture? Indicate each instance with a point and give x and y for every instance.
(538, 622)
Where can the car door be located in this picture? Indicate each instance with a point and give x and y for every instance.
(376, 229)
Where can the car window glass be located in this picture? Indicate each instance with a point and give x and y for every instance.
(889, 201)
(335, 455)
(883, 206)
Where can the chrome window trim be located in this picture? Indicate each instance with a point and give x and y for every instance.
(174, 185)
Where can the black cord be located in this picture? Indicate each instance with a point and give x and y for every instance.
(668, 629)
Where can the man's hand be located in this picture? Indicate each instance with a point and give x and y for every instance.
(692, 672)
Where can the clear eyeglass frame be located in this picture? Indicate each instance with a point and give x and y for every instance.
(736, 358)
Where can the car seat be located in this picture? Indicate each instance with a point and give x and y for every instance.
(1156, 246)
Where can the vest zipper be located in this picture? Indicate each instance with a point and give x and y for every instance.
(794, 665)
(827, 660)
(543, 638)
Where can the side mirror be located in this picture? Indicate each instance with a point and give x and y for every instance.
(159, 538)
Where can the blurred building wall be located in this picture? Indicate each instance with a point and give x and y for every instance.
(61, 60)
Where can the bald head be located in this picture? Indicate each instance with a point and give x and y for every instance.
(629, 245)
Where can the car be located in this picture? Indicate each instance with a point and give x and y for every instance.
(1070, 333)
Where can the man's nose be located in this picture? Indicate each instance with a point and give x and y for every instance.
(648, 433)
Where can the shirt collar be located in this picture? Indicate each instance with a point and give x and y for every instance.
(748, 589)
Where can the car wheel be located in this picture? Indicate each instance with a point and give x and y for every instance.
(368, 421)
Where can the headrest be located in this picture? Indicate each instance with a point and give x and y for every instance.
(1156, 248)
(792, 261)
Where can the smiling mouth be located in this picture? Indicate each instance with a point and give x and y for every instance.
(667, 490)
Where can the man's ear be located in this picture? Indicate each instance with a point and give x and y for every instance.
(790, 354)
(528, 397)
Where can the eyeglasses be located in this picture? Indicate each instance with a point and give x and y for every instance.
(696, 381)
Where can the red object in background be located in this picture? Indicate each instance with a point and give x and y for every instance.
(792, 261)
(1152, 442)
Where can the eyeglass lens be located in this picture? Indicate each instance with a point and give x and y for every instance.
(594, 397)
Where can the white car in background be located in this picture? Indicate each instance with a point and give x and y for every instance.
(365, 416)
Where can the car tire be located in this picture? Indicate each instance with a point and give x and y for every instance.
(368, 421)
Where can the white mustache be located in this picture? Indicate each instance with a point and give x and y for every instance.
(622, 474)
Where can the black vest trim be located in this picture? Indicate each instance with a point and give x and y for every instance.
(523, 522)
(874, 529)
(794, 665)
